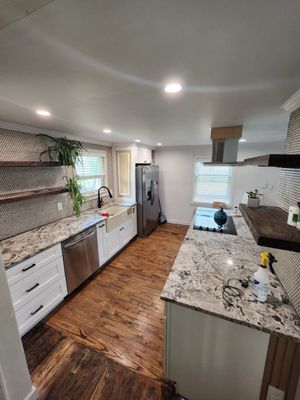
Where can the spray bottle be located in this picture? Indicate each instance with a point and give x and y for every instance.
(260, 283)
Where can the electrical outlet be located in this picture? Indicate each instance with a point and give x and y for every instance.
(59, 206)
(274, 393)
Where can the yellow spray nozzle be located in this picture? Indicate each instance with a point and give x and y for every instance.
(264, 258)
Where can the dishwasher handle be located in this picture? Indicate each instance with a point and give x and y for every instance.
(70, 244)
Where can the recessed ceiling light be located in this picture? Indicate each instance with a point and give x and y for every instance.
(107, 131)
(173, 87)
(137, 140)
(43, 113)
(158, 144)
(242, 140)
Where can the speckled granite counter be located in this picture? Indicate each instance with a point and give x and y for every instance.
(205, 262)
(21, 247)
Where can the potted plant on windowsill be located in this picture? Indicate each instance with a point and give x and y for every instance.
(253, 198)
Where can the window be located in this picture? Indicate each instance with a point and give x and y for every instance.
(212, 183)
(91, 171)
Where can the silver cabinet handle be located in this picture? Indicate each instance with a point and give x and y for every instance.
(33, 287)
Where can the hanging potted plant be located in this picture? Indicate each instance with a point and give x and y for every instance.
(75, 194)
(68, 152)
(65, 150)
(253, 198)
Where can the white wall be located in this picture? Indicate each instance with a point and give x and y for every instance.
(176, 166)
(15, 383)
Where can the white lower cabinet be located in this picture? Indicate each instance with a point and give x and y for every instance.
(32, 285)
(37, 285)
(113, 242)
(211, 358)
(33, 311)
(102, 243)
(126, 233)
(109, 243)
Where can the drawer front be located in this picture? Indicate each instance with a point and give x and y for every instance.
(33, 311)
(33, 264)
(32, 285)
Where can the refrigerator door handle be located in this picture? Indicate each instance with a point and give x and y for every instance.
(154, 189)
(151, 192)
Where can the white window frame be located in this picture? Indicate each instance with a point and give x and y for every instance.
(93, 194)
(209, 204)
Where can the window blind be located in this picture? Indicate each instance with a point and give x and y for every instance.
(212, 183)
(91, 171)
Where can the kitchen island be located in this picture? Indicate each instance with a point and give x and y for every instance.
(207, 339)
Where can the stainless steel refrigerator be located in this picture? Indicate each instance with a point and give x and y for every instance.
(147, 198)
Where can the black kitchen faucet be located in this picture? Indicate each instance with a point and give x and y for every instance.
(100, 201)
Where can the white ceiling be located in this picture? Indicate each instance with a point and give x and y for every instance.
(97, 64)
(13, 10)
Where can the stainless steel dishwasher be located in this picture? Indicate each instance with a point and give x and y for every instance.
(81, 259)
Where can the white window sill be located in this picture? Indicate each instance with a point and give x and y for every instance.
(207, 205)
(94, 195)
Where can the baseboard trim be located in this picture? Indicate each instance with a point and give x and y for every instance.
(33, 395)
(174, 221)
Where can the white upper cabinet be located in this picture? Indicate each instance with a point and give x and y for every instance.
(144, 155)
(125, 159)
(124, 178)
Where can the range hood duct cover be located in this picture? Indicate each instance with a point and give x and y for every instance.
(225, 143)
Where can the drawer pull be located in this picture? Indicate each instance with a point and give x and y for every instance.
(26, 269)
(33, 287)
(101, 226)
(37, 310)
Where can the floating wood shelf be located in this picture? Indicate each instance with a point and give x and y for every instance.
(275, 160)
(12, 197)
(30, 163)
(269, 227)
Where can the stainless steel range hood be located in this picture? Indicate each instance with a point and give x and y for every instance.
(225, 141)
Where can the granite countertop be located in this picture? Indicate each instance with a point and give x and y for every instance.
(206, 260)
(25, 245)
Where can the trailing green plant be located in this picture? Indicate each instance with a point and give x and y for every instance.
(254, 194)
(67, 151)
(75, 194)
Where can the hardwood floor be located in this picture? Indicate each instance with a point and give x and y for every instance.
(119, 315)
(68, 370)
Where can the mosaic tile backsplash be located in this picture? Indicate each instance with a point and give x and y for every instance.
(288, 266)
(22, 216)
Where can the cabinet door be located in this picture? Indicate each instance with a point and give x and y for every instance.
(102, 243)
(123, 159)
(113, 242)
(144, 156)
(126, 232)
(134, 222)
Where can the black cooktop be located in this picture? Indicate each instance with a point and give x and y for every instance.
(204, 221)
